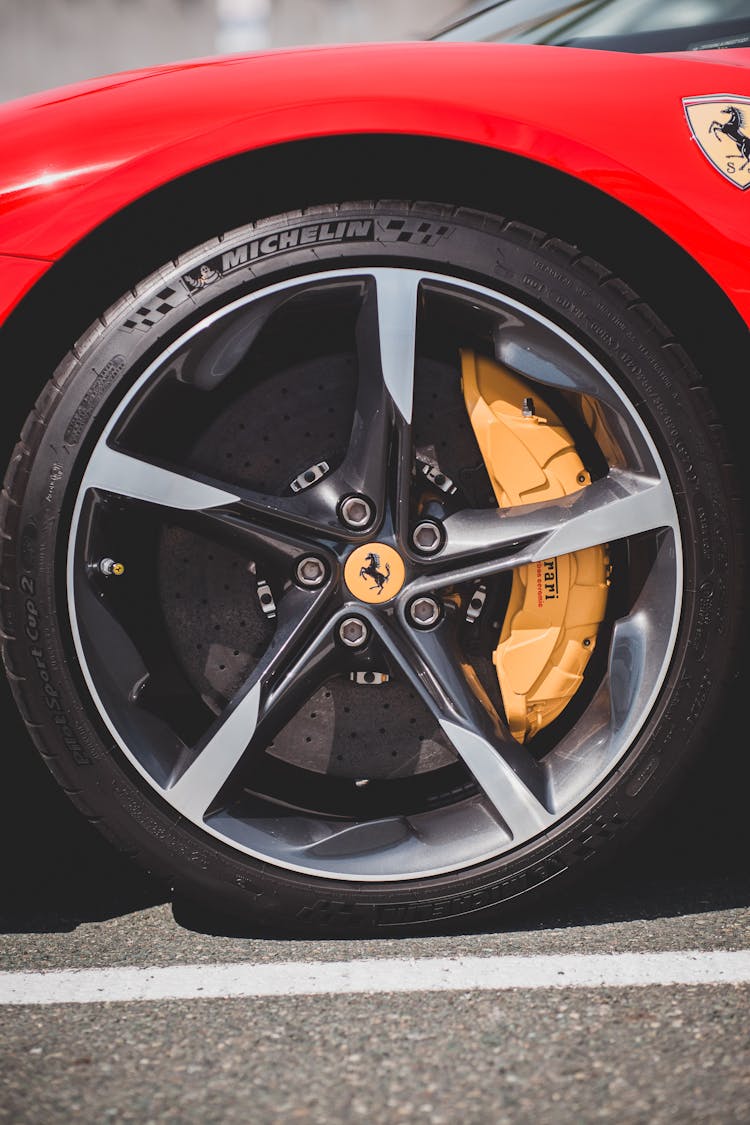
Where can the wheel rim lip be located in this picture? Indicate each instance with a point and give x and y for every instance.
(464, 289)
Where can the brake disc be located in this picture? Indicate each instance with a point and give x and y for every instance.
(557, 604)
(265, 440)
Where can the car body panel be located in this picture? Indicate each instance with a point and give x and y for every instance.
(17, 276)
(76, 156)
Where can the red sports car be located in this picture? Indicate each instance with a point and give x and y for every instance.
(371, 551)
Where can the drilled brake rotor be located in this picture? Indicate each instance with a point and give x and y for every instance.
(270, 434)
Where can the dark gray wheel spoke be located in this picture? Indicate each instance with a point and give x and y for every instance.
(109, 470)
(504, 770)
(385, 335)
(398, 298)
(295, 661)
(268, 543)
(265, 529)
(385, 342)
(619, 506)
(385, 345)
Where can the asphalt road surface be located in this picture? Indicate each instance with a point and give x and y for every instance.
(581, 1049)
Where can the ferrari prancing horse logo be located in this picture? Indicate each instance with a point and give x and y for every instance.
(374, 572)
(380, 578)
(720, 123)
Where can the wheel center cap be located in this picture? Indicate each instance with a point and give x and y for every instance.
(374, 573)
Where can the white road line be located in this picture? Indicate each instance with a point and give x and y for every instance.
(299, 978)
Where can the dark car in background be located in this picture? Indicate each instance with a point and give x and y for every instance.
(639, 26)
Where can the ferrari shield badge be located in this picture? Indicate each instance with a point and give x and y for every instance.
(720, 123)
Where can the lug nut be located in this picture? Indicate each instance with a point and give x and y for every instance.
(427, 537)
(424, 612)
(353, 632)
(311, 571)
(356, 511)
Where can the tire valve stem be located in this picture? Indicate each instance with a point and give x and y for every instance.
(110, 569)
(527, 407)
(361, 782)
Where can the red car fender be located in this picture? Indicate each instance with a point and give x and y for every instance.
(17, 276)
(75, 156)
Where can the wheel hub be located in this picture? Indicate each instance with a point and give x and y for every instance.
(374, 573)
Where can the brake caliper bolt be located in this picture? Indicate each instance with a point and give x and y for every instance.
(356, 511)
(427, 537)
(311, 571)
(304, 480)
(476, 603)
(265, 597)
(424, 612)
(353, 632)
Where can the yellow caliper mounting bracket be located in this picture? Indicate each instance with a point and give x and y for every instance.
(557, 605)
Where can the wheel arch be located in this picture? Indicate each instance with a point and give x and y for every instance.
(187, 211)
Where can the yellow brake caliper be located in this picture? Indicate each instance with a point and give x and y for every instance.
(556, 606)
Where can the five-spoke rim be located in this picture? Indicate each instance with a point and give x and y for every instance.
(516, 796)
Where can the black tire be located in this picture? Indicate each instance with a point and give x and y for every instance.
(75, 702)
